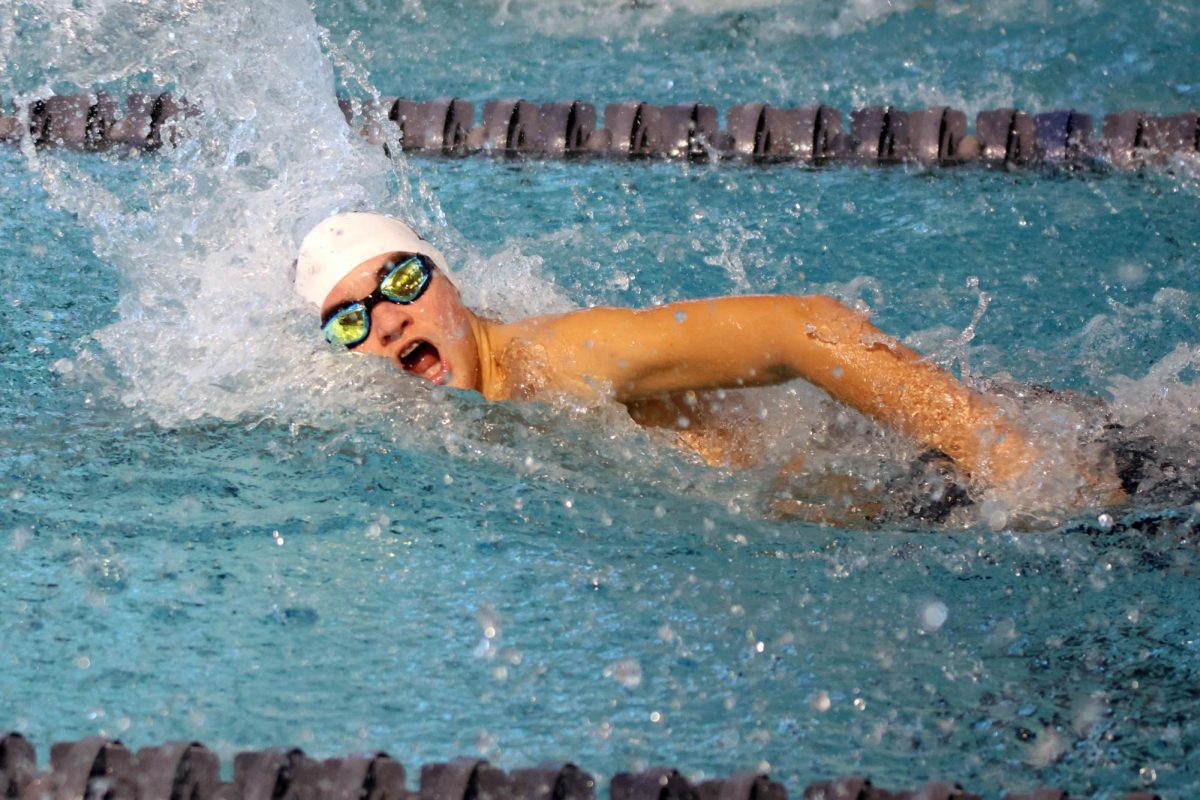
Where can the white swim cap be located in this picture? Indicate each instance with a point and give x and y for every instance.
(340, 243)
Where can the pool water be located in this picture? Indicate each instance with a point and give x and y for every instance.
(216, 529)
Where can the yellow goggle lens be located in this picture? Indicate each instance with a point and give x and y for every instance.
(405, 282)
(348, 327)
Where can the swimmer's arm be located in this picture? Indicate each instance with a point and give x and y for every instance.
(763, 340)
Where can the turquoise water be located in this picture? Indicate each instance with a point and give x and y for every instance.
(216, 529)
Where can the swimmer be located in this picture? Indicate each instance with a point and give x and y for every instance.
(385, 291)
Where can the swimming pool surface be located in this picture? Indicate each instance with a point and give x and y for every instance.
(213, 528)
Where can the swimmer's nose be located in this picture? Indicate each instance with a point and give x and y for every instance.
(388, 322)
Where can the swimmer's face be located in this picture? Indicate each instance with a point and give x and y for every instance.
(431, 338)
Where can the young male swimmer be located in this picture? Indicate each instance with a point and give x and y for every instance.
(384, 290)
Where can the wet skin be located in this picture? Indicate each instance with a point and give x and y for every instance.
(652, 360)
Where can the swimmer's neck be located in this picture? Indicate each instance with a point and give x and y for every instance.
(489, 380)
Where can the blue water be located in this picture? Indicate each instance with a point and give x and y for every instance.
(216, 529)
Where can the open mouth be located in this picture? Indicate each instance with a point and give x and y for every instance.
(422, 358)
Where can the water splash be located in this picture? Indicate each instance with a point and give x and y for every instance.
(204, 235)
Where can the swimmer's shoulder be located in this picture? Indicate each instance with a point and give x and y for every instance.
(565, 336)
(540, 356)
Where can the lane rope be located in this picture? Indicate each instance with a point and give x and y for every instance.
(97, 767)
(937, 136)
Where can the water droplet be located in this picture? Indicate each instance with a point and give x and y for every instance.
(627, 672)
(20, 537)
(486, 743)
(1131, 274)
(933, 616)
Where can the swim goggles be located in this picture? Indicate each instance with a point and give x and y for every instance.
(350, 323)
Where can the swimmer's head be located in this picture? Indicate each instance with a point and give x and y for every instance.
(338, 244)
(351, 264)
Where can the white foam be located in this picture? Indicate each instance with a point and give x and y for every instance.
(204, 242)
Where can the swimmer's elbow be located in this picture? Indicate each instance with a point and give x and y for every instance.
(802, 336)
(818, 307)
(825, 319)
